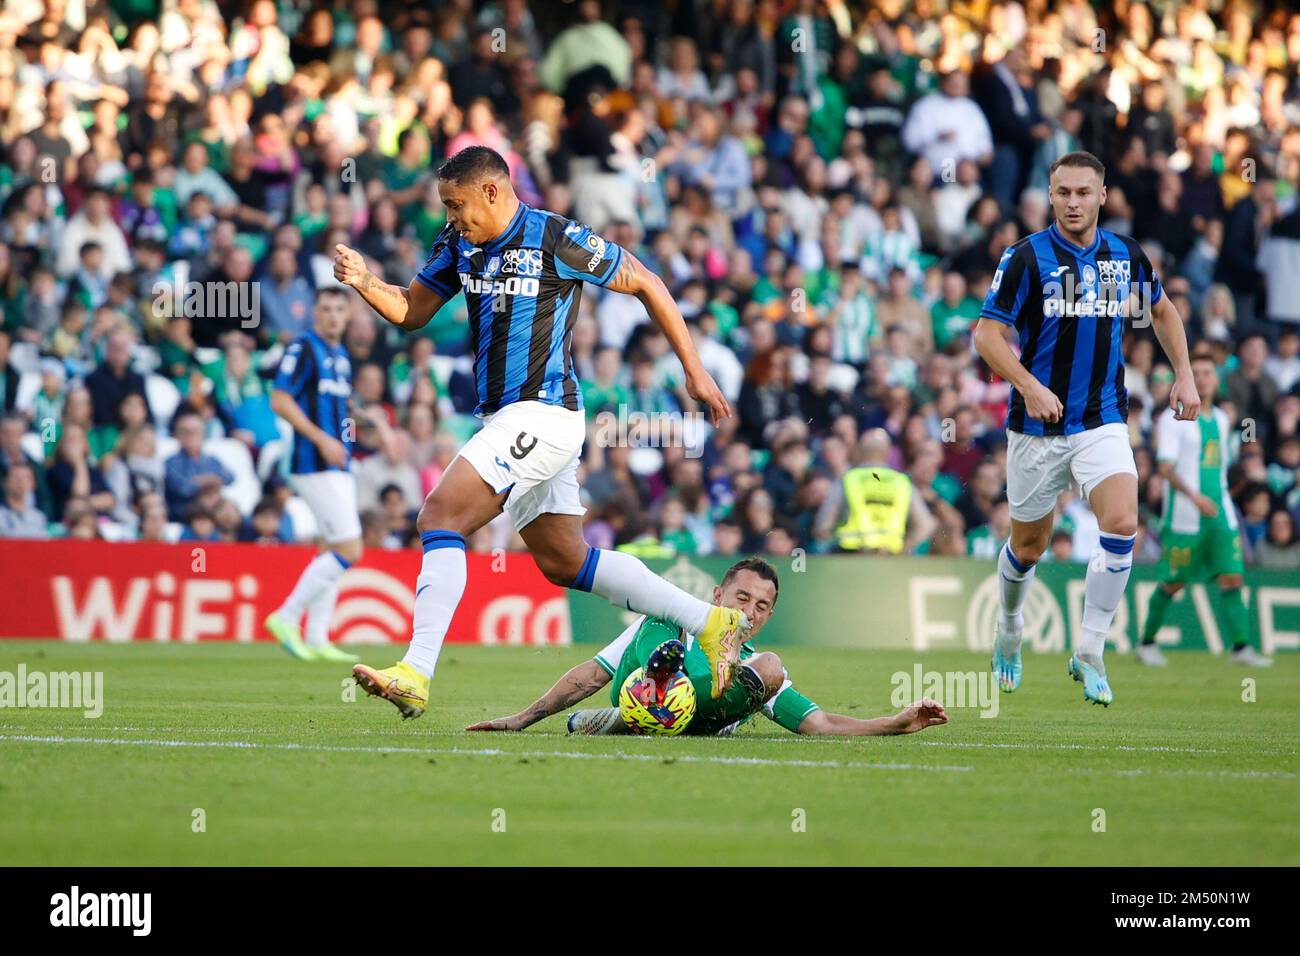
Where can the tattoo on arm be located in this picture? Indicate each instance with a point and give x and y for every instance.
(392, 302)
(630, 278)
(568, 691)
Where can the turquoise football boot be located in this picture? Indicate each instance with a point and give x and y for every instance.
(1006, 666)
(1095, 686)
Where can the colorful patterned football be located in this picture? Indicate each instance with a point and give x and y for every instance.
(664, 708)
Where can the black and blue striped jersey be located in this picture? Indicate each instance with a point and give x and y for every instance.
(319, 377)
(1069, 305)
(522, 291)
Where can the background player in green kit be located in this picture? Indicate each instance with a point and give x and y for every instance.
(1199, 532)
(761, 682)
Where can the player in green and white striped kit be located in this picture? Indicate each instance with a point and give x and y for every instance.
(1199, 532)
(761, 682)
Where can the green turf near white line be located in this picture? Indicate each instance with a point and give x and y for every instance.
(1183, 770)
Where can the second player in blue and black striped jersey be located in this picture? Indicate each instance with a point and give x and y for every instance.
(1069, 305)
(316, 373)
(522, 291)
(1069, 291)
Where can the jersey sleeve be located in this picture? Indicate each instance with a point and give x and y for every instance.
(1147, 275)
(292, 373)
(579, 254)
(610, 655)
(1166, 436)
(439, 272)
(1011, 286)
(788, 707)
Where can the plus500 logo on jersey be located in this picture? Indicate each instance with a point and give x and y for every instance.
(515, 285)
(1087, 298)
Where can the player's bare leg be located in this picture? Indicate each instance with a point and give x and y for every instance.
(460, 504)
(566, 559)
(1114, 502)
(1016, 563)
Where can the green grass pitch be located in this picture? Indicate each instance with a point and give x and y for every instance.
(286, 771)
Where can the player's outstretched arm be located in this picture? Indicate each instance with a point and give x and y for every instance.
(924, 713)
(633, 278)
(408, 308)
(991, 343)
(1168, 326)
(578, 684)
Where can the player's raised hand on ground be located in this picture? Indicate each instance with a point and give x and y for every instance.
(1185, 400)
(703, 388)
(515, 722)
(349, 265)
(1041, 403)
(924, 713)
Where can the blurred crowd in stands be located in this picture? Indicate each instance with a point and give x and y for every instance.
(825, 185)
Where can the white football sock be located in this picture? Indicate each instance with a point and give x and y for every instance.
(438, 591)
(1015, 578)
(1103, 589)
(319, 612)
(625, 581)
(323, 572)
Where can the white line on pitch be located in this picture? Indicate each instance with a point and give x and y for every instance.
(483, 752)
(1139, 772)
(784, 739)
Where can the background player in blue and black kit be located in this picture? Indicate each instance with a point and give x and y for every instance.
(522, 271)
(312, 391)
(1067, 291)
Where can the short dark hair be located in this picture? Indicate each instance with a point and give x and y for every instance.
(759, 567)
(1081, 159)
(472, 164)
(330, 289)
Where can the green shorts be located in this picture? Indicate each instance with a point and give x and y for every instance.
(1213, 551)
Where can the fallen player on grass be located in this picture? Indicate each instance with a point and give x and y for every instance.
(761, 682)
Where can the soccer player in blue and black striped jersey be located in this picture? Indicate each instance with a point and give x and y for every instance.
(1067, 292)
(522, 271)
(312, 391)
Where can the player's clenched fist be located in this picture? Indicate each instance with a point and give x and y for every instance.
(1185, 400)
(349, 265)
(1041, 403)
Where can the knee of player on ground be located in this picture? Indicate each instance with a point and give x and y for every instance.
(770, 669)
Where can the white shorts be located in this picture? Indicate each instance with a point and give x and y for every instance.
(1040, 467)
(531, 449)
(332, 498)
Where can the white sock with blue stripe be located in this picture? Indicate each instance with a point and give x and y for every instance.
(438, 591)
(323, 573)
(1103, 589)
(1015, 578)
(625, 581)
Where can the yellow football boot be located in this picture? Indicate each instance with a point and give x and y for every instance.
(401, 685)
(720, 640)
